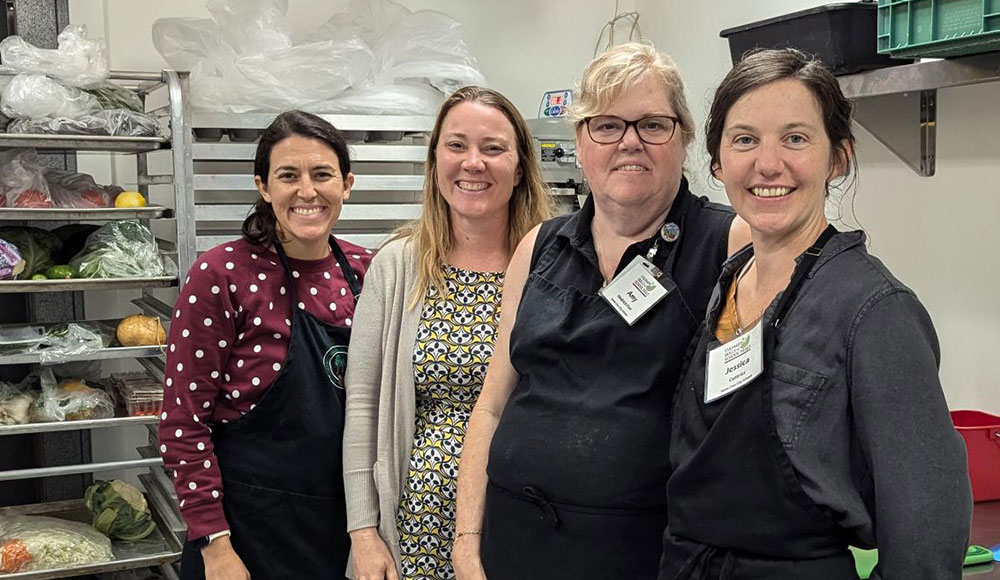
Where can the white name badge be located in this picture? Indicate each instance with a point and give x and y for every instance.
(733, 364)
(635, 290)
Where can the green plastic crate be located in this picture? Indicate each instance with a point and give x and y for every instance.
(938, 28)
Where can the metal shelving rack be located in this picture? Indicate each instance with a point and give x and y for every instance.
(164, 546)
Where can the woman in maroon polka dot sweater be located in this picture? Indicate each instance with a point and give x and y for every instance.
(253, 401)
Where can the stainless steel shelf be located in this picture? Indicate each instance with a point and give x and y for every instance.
(54, 426)
(81, 284)
(350, 212)
(79, 468)
(220, 182)
(85, 142)
(160, 547)
(110, 353)
(88, 214)
(367, 240)
(246, 151)
(408, 123)
(897, 105)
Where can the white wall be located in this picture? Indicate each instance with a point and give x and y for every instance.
(936, 234)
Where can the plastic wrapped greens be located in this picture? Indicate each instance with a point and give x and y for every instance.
(121, 249)
(69, 340)
(116, 122)
(35, 246)
(31, 543)
(36, 95)
(78, 62)
(112, 96)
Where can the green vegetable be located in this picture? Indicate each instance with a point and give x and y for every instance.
(39, 277)
(35, 245)
(119, 510)
(119, 249)
(62, 272)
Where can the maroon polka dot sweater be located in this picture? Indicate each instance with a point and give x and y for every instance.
(228, 341)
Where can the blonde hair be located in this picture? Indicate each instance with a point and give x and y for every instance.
(621, 68)
(530, 203)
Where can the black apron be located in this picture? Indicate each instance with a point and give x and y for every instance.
(578, 465)
(281, 463)
(737, 508)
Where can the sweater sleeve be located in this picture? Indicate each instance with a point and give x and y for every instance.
(363, 384)
(917, 461)
(201, 336)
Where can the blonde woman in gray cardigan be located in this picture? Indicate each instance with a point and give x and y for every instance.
(423, 334)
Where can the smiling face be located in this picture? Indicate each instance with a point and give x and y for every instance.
(306, 191)
(630, 172)
(477, 162)
(775, 160)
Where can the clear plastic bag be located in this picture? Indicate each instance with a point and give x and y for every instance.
(70, 400)
(78, 62)
(22, 180)
(15, 404)
(121, 249)
(76, 190)
(32, 543)
(118, 122)
(30, 96)
(112, 96)
(70, 340)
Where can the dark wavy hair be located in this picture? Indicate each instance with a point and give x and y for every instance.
(762, 67)
(261, 226)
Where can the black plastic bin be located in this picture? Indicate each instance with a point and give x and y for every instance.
(841, 35)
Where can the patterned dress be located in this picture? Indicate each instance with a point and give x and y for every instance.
(454, 343)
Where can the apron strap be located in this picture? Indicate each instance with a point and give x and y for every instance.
(345, 267)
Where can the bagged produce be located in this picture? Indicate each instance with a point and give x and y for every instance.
(141, 330)
(78, 62)
(22, 180)
(70, 400)
(11, 263)
(76, 190)
(63, 341)
(121, 249)
(115, 122)
(32, 543)
(29, 96)
(35, 245)
(15, 404)
(112, 96)
(119, 510)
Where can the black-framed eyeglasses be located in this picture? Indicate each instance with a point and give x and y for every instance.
(652, 130)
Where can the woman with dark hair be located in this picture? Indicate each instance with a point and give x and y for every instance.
(810, 417)
(254, 396)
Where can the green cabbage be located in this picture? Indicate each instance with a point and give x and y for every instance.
(35, 245)
(119, 510)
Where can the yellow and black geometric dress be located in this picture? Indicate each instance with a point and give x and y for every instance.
(454, 343)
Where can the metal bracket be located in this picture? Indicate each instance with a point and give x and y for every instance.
(905, 123)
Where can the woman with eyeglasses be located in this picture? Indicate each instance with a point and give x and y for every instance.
(565, 461)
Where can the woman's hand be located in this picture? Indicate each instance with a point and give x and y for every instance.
(221, 561)
(465, 559)
(372, 559)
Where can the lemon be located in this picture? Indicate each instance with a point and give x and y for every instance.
(130, 199)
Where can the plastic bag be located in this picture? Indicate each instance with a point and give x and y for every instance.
(11, 262)
(70, 400)
(118, 122)
(35, 245)
(15, 404)
(112, 96)
(424, 45)
(70, 340)
(121, 249)
(36, 95)
(22, 180)
(76, 190)
(78, 62)
(398, 99)
(31, 543)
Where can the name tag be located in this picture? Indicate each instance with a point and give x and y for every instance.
(635, 290)
(734, 364)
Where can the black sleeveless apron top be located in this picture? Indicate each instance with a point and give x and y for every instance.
(578, 463)
(282, 463)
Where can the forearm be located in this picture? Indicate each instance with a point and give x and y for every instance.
(470, 503)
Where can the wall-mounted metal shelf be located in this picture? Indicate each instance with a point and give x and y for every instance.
(898, 105)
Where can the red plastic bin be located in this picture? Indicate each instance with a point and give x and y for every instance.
(981, 432)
